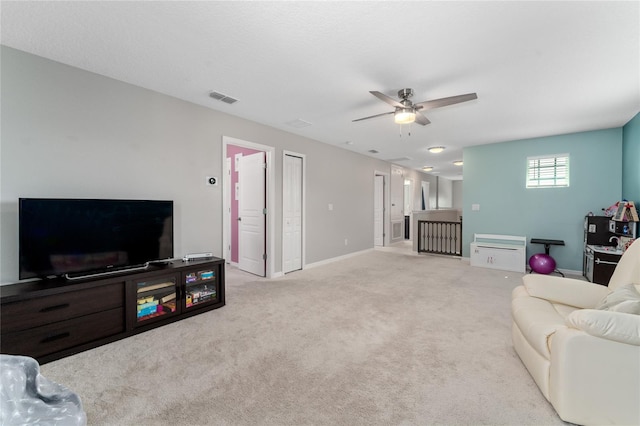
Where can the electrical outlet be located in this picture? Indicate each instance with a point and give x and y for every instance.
(475, 207)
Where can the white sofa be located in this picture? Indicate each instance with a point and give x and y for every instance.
(580, 345)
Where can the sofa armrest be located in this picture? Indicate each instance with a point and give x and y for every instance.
(568, 291)
(594, 381)
(616, 326)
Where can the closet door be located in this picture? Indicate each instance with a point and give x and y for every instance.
(292, 213)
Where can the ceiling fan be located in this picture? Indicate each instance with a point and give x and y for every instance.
(407, 112)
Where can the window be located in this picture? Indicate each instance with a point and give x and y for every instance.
(550, 171)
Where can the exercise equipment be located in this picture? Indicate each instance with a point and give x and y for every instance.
(543, 263)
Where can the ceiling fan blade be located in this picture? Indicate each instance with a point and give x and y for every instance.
(421, 119)
(374, 116)
(437, 103)
(386, 99)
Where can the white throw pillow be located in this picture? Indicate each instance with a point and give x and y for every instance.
(623, 299)
(615, 326)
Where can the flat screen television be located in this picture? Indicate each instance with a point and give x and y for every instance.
(72, 237)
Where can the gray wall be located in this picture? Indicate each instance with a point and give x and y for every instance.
(457, 194)
(445, 193)
(70, 133)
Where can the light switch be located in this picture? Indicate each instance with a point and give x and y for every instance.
(330, 207)
(475, 207)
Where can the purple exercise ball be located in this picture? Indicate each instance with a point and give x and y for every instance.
(542, 263)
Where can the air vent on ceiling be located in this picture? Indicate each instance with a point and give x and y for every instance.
(223, 98)
(298, 123)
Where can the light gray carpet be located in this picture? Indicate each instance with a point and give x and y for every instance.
(380, 338)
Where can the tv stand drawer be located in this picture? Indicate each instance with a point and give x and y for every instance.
(47, 339)
(39, 311)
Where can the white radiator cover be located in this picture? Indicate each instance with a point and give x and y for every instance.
(505, 252)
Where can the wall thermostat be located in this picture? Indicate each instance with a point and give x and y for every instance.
(212, 180)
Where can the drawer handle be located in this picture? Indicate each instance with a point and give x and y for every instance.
(598, 261)
(55, 337)
(54, 308)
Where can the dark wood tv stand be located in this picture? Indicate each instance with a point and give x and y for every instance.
(53, 318)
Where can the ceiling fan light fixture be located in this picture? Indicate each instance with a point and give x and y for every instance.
(404, 115)
(427, 168)
(436, 149)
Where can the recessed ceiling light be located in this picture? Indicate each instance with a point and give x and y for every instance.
(458, 163)
(349, 143)
(427, 168)
(436, 149)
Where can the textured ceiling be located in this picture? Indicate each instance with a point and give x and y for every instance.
(539, 68)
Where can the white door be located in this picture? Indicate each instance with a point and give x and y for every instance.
(226, 213)
(378, 211)
(292, 213)
(251, 213)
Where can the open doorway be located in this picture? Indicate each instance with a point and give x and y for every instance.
(380, 209)
(408, 207)
(397, 204)
(425, 196)
(247, 205)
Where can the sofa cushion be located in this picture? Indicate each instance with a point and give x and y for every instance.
(623, 299)
(563, 310)
(617, 326)
(537, 320)
(568, 291)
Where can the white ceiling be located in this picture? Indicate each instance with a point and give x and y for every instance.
(539, 68)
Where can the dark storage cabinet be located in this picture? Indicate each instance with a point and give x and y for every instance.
(603, 266)
(51, 319)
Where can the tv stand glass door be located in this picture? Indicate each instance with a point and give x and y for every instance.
(201, 286)
(156, 298)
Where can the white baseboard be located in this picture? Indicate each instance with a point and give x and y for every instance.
(346, 256)
(273, 274)
(335, 259)
(564, 271)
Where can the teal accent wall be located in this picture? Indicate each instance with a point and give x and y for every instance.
(494, 178)
(631, 160)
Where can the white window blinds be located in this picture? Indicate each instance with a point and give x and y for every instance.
(548, 171)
